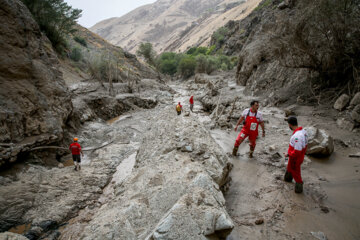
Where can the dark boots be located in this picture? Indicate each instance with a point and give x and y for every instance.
(234, 153)
(288, 177)
(251, 152)
(298, 187)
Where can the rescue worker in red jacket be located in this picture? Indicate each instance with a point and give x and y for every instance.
(251, 118)
(191, 103)
(75, 151)
(178, 108)
(296, 154)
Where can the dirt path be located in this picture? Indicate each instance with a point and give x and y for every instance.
(330, 205)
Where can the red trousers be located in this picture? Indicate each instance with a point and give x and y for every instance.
(294, 167)
(244, 134)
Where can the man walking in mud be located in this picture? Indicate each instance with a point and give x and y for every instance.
(296, 154)
(75, 151)
(251, 118)
(178, 108)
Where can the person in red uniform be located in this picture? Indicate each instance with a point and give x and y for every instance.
(296, 154)
(75, 151)
(178, 108)
(251, 118)
(191, 103)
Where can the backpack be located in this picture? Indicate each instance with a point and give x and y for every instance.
(178, 108)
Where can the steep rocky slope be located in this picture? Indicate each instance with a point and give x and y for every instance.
(34, 98)
(37, 108)
(172, 25)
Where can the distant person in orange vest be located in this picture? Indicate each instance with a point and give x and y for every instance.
(75, 151)
(178, 108)
(191, 103)
(251, 119)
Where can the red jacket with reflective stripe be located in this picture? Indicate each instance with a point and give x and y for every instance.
(75, 148)
(298, 144)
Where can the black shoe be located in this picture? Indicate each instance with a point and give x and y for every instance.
(75, 168)
(288, 177)
(79, 167)
(234, 153)
(298, 187)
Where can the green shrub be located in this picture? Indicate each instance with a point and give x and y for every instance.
(201, 63)
(219, 35)
(146, 50)
(212, 64)
(187, 66)
(80, 40)
(75, 54)
(55, 19)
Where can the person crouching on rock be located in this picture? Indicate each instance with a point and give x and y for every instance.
(75, 151)
(296, 154)
(191, 103)
(251, 118)
(178, 108)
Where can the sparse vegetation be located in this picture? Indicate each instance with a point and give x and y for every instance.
(147, 51)
(75, 54)
(55, 18)
(80, 40)
(326, 40)
(263, 4)
(219, 35)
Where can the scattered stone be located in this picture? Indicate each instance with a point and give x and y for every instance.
(320, 143)
(319, 235)
(259, 221)
(356, 100)
(187, 148)
(345, 124)
(324, 209)
(12, 236)
(60, 165)
(186, 114)
(355, 114)
(342, 102)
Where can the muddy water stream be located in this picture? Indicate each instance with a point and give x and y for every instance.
(329, 205)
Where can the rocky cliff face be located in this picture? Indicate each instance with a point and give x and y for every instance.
(255, 40)
(172, 25)
(34, 100)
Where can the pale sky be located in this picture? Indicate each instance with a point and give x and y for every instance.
(96, 10)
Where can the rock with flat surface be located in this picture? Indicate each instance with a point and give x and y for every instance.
(320, 143)
(355, 100)
(342, 102)
(355, 114)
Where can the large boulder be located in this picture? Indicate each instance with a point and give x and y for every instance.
(34, 99)
(355, 100)
(320, 143)
(355, 114)
(342, 102)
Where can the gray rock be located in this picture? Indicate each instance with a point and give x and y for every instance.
(355, 100)
(187, 148)
(320, 143)
(355, 114)
(342, 102)
(345, 124)
(319, 235)
(12, 236)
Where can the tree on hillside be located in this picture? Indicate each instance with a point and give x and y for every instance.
(55, 17)
(326, 40)
(147, 51)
